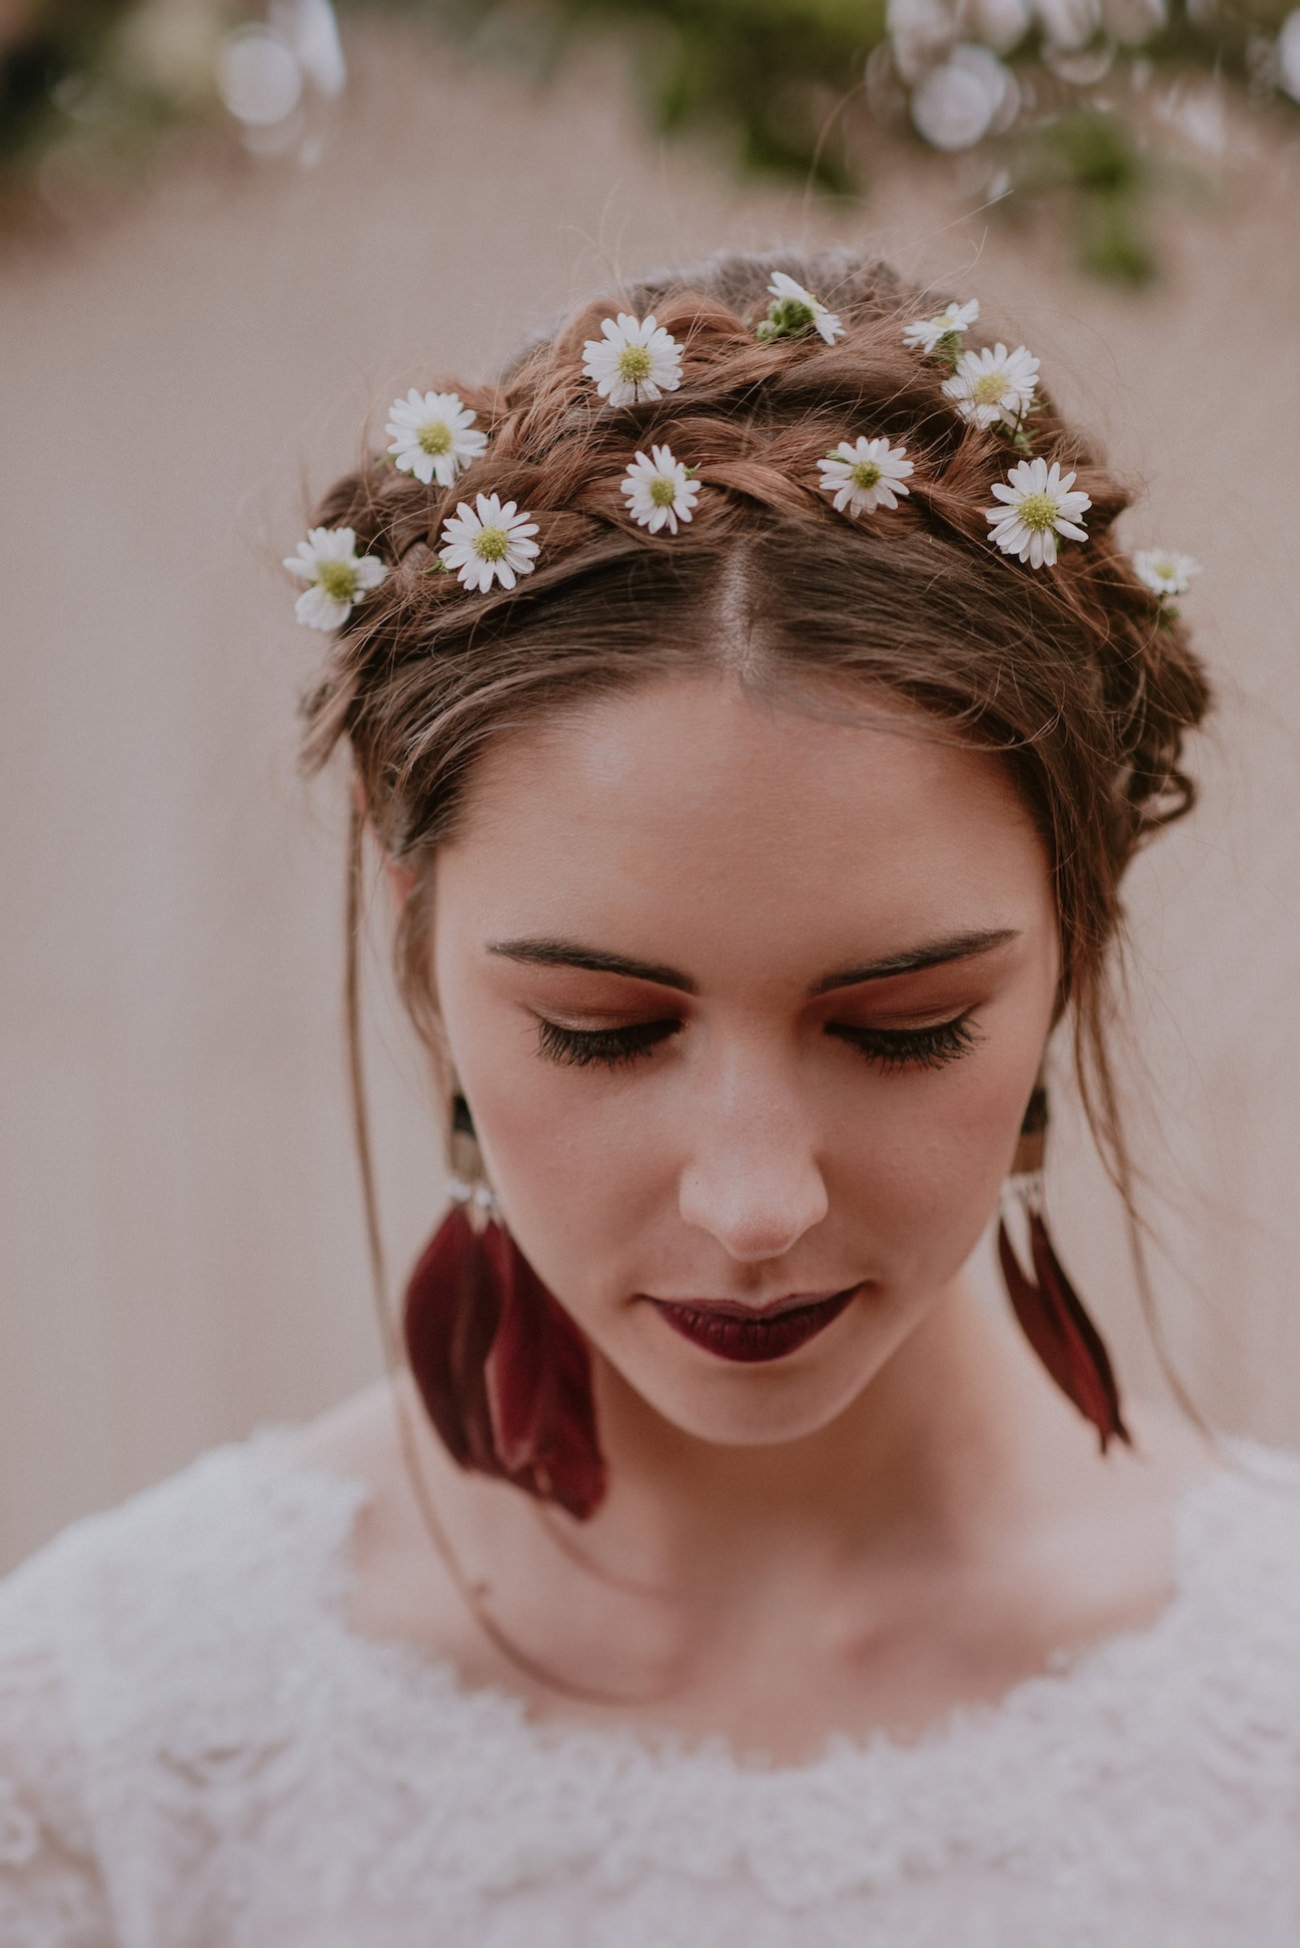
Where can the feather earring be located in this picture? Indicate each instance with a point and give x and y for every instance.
(504, 1374)
(1051, 1313)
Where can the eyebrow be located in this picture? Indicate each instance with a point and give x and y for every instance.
(570, 953)
(935, 953)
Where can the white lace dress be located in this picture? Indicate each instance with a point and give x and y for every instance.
(195, 1752)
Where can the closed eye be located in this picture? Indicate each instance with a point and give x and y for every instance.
(614, 1048)
(893, 1049)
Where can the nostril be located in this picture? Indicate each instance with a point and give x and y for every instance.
(753, 1216)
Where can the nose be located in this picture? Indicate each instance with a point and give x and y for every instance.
(753, 1181)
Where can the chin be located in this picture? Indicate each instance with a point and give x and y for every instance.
(750, 1406)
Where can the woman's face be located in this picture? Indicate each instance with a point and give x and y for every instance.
(747, 1004)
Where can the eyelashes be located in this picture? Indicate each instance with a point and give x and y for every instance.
(612, 1048)
(892, 1049)
(889, 1049)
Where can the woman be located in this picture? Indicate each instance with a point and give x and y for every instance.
(755, 715)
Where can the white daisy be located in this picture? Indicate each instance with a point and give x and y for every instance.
(866, 474)
(635, 359)
(660, 491)
(1039, 506)
(492, 543)
(433, 436)
(791, 299)
(337, 577)
(924, 334)
(1165, 573)
(994, 387)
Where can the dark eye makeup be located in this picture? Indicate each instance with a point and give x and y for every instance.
(613, 1048)
(889, 1049)
(892, 1049)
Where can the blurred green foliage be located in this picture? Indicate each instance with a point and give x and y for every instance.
(799, 87)
(59, 41)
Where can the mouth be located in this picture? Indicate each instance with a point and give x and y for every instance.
(750, 1334)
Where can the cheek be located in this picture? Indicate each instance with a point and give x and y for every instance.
(584, 1165)
(924, 1163)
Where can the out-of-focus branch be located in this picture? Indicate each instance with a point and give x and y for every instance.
(1090, 100)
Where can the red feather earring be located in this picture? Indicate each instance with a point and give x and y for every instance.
(1049, 1309)
(504, 1374)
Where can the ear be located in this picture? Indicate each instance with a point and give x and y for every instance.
(401, 879)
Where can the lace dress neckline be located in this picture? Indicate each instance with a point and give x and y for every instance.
(199, 1750)
(1069, 1675)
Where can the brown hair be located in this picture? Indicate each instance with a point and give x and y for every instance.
(1074, 674)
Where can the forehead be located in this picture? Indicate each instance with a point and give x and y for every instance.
(693, 809)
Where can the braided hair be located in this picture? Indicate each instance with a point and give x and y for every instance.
(1076, 675)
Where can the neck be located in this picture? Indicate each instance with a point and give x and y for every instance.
(938, 1441)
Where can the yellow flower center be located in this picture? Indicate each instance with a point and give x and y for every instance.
(989, 389)
(1038, 511)
(663, 491)
(634, 364)
(864, 474)
(490, 544)
(435, 437)
(338, 579)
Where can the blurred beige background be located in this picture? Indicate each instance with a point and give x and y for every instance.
(182, 1248)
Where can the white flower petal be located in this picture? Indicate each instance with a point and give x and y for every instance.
(992, 386)
(635, 359)
(511, 554)
(865, 474)
(825, 323)
(1165, 572)
(923, 334)
(1039, 508)
(659, 490)
(434, 435)
(321, 611)
(337, 579)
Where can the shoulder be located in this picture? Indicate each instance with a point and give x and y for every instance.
(138, 1641)
(51, 1895)
(1248, 1513)
(192, 1575)
(1238, 1617)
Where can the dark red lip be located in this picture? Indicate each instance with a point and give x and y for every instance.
(732, 1333)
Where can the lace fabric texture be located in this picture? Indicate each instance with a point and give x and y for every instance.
(196, 1752)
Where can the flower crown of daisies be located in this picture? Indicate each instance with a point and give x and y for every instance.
(434, 437)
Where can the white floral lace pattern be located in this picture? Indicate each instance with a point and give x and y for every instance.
(196, 1752)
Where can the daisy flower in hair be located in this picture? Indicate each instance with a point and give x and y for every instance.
(660, 491)
(793, 311)
(863, 474)
(1040, 503)
(337, 577)
(1165, 574)
(489, 542)
(434, 436)
(634, 359)
(928, 335)
(995, 387)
